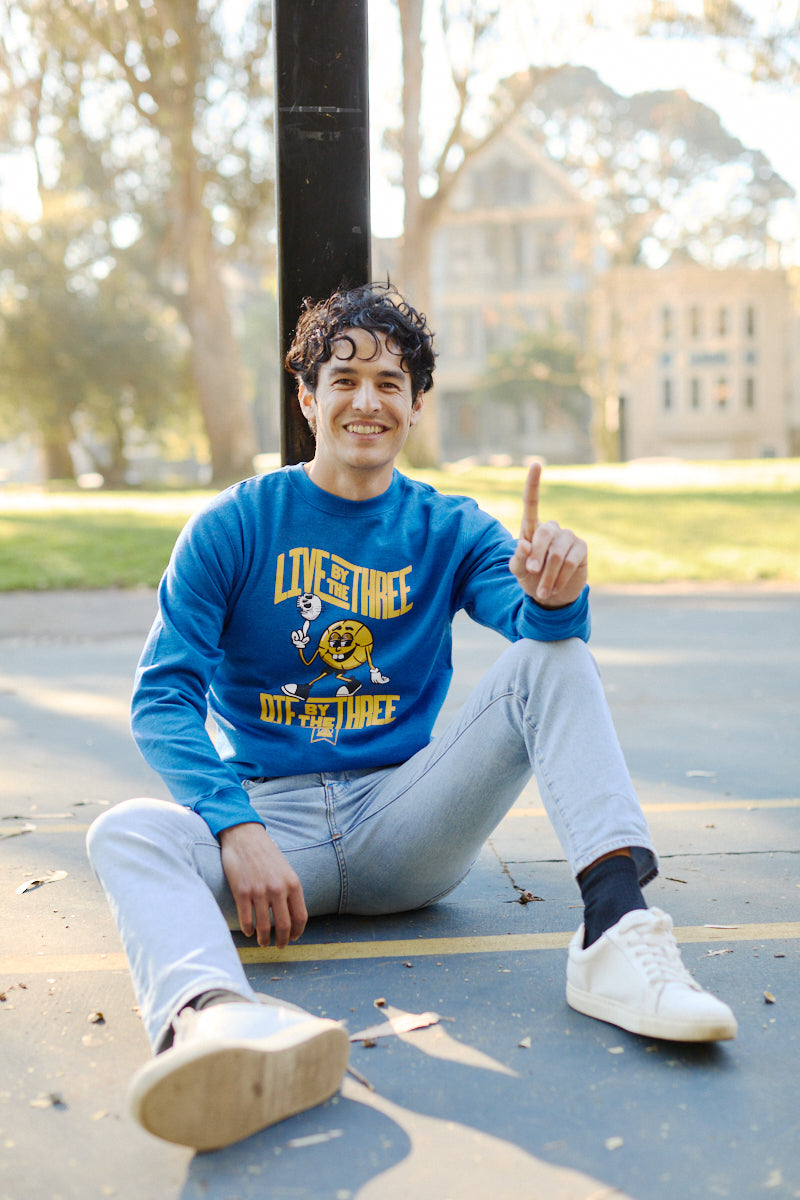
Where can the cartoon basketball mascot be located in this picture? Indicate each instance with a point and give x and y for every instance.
(344, 647)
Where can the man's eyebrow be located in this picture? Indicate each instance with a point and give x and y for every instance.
(347, 368)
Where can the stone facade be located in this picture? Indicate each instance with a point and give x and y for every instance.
(681, 362)
(698, 363)
(513, 254)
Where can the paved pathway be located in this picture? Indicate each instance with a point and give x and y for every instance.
(511, 1095)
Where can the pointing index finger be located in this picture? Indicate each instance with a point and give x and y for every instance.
(530, 503)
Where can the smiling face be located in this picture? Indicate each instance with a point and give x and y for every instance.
(362, 410)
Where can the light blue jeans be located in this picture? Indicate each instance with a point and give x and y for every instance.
(377, 841)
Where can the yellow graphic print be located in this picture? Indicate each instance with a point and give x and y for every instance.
(334, 580)
(314, 578)
(325, 716)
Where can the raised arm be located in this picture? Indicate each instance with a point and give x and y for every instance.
(549, 563)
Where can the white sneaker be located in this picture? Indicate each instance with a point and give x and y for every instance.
(234, 1069)
(633, 976)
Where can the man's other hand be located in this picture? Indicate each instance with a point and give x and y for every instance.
(550, 563)
(267, 891)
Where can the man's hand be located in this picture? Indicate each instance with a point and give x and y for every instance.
(550, 563)
(262, 882)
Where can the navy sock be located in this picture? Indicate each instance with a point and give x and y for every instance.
(610, 889)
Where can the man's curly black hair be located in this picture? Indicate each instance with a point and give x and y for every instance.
(376, 308)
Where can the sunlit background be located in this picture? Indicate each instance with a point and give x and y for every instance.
(599, 216)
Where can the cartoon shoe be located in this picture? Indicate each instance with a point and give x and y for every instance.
(349, 687)
(301, 690)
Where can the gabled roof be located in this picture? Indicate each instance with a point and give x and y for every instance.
(518, 138)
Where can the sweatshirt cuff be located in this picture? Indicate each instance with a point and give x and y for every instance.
(555, 624)
(230, 807)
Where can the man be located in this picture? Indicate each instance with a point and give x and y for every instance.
(309, 612)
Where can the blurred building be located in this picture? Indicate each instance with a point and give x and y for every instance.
(683, 361)
(513, 255)
(698, 363)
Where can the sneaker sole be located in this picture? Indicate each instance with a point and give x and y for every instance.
(215, 1093)
(716, 1029)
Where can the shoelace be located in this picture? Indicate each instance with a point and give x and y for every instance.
(656, 948)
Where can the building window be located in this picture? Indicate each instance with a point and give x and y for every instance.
(695, 394)
(459, 251)
(721, 392)
(722, 322)
(549, 254)
(695, 322)
(666, 322)
(466, 420)
(750, 321)
(749, 392)
(667, 396)
(502, 186)
(461, 334)
(504, 261)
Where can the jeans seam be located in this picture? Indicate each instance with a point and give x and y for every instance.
(336, 843)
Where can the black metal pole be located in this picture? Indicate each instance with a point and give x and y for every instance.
(322, 149)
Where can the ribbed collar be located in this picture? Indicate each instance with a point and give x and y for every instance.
(338, 505)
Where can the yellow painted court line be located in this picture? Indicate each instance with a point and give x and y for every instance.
(406, 948)
(676, 806)
(684, 806)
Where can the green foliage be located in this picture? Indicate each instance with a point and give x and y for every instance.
(148, 125)
(663, 172)
(84, 358)
(43, 550)
(542, 368)
(722, 523)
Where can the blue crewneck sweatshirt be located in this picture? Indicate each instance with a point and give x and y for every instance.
(316, 632)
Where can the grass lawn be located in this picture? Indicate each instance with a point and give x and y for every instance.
(645, 523)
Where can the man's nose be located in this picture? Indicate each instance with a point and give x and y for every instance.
(366, 397)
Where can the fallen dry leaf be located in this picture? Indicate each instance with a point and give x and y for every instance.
(314, 1139)
(769, 998)
(9, 833)
(524, 1043)
(714, 953)
(47, 816)
(48, 1100)
(359, 1078)
(96, 1018)
(614, 1143)
(394, 1025)
(30, 885)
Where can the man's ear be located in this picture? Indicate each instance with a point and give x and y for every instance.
(307, 405)
(416, 409)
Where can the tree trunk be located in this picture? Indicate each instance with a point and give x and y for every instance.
(216, 364)
(215, 353)
(56, 437)
(424, 445)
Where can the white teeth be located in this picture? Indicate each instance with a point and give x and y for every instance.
(365, 429)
